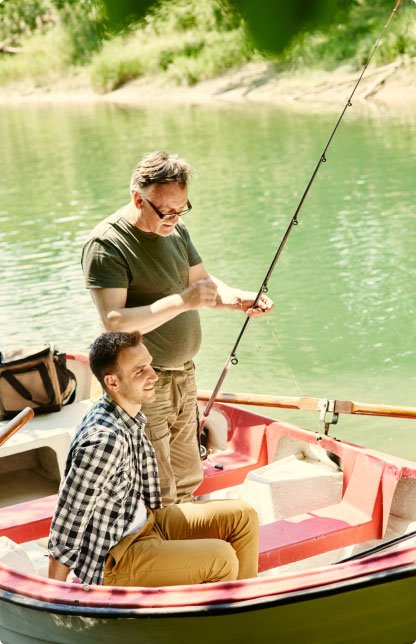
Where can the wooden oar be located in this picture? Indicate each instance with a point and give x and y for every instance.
(15, 424)
(312, 404)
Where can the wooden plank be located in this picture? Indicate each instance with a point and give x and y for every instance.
(312, 404)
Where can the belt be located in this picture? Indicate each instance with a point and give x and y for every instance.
(181, 367)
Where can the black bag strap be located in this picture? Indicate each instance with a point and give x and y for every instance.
(25, 393)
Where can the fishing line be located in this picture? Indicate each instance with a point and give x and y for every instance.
(292, 373)
(311, 415)
(232, 358)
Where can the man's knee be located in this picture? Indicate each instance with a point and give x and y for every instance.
(222, 562)
(249, 512)
(243, 513)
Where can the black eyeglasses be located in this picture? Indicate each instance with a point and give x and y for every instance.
(171, 215)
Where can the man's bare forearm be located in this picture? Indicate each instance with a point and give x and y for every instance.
(57, 570)
(145, 318)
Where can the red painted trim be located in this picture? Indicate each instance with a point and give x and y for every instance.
(79, 357)
(184, 596)
(29, 520)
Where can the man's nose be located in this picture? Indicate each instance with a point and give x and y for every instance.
(152, 374)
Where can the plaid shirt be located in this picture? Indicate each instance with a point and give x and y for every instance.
(111, 469)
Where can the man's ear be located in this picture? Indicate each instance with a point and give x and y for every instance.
(111, 382)
(137, 199)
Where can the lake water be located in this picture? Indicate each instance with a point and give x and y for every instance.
(345, 317)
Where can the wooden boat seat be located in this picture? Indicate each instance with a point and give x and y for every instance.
(356, 518)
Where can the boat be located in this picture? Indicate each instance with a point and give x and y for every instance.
(337, 557)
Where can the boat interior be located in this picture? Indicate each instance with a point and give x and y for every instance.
(319, 500)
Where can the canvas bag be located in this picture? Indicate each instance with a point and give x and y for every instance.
(36, 377)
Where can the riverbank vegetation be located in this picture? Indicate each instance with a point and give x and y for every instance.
(182, 41)
(185, 40)
(352, 35)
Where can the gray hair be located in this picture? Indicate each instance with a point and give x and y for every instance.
(157, 168)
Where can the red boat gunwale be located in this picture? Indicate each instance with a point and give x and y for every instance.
(19, 587)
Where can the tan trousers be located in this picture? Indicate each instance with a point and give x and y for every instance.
(172, 428)
(190, 543)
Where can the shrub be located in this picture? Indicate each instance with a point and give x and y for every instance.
(21, 18)
(189, 40)
(352, 36)
(114, 68)
(44, 58)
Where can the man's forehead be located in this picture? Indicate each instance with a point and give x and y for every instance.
(136, 356)
(169, 191)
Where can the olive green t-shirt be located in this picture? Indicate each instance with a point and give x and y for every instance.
(150, 267)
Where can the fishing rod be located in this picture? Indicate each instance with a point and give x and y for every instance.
(232, 358)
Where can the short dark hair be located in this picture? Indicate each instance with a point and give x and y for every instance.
(158, 168)
(105, 350)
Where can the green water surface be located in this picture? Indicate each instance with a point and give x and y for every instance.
(344, 322)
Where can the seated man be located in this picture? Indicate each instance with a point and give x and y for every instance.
(109, 526)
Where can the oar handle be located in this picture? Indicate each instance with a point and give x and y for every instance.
(14, 425)
(312, 404)
(284, 402)
(390, 411)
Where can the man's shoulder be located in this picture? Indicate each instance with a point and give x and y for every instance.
(100, 419)
(109, 228)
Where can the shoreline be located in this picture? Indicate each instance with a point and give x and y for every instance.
(382, 89)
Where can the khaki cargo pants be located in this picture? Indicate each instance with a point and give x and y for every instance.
(172, 428)
(190, 543)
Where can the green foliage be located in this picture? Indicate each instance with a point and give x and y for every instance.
(44, 58)
(19, 17)
(219, 53)
(352, 36)
(115, 66)
(182, 16)
(85, 24)
(187, 40)
(273, 23)
(83, 21)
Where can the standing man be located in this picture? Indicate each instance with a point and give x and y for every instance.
(144, 273)
(108, 525)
